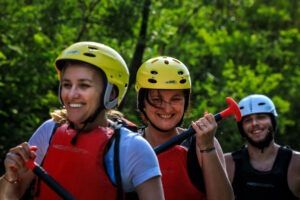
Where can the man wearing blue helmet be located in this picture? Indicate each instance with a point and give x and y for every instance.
(262, 169)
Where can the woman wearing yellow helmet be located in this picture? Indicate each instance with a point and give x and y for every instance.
(79, 153)
(196, 168)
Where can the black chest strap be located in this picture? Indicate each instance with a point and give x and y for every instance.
(117, 171)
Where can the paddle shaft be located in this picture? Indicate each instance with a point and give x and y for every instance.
(180, 138)
(43, 175)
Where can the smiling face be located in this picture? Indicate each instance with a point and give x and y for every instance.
(81, 88)
(164, 108)
(258, 129)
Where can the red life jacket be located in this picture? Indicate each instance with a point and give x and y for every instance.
(79, 169)
(175, 179)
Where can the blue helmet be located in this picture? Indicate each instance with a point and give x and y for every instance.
(254, 104)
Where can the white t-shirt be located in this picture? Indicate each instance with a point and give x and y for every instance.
(138, 161)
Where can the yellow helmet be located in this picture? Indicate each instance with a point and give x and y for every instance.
(103, 57)
(163, 73)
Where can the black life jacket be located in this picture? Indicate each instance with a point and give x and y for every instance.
(252, 184)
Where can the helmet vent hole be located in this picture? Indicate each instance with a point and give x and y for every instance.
(180, 72)
(150, 80)
(89, 54)
(166, 62)
(242, 107)
(154, 72)
(93, 48)
(262, 103)
(182, 81)
(126, 85)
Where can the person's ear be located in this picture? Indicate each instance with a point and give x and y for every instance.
(114, 93)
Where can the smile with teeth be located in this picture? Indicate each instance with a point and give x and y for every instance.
(165, 116)
(257, 131)
(74, 105)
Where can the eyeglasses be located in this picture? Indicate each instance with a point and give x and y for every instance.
(159, 102)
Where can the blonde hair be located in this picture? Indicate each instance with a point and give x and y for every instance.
(61, 116)
(114, 113)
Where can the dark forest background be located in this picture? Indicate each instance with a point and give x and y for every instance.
(232, 48)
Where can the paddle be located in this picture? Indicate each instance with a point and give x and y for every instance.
(233, 109)
(42, 174)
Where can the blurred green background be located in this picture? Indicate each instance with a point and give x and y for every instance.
(232, 48)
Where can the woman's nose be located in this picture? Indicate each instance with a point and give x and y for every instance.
(73, 92)
(167, 106)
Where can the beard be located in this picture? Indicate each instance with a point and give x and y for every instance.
(263, 143)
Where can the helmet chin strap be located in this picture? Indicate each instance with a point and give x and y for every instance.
(106, 105)
(59, 94)
(161, 130)
(88, 120)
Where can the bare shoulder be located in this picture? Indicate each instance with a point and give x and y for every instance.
(296, 156)
(295, 162)
(294, 173)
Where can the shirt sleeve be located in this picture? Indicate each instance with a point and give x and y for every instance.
(138, 161)
(41, 139)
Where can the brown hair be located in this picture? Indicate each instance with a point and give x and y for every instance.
(143, 95)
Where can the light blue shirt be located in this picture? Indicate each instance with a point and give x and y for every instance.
(138, 161)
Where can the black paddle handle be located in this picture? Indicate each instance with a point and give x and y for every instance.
(180, 138)
(41, 173)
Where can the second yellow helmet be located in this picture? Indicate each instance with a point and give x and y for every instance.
(163, 73)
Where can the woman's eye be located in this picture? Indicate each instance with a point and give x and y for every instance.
(84, 85)
(156, 100)
(176, 100)
(66, 85)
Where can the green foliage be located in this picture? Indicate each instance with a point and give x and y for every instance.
(232, 48)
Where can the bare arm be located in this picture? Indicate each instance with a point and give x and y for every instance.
(151, 189)
(216, 181)
(212, 163)
(230, 166)
(294, 174)
(15, 167)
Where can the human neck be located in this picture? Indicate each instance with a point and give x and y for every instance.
(156, 137)
(101, 120)
(263, 160)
